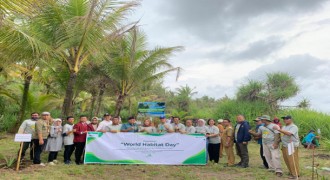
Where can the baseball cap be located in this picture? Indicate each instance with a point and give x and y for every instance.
(162, 117)
(286, 117)
(265, 117)
(257, 119)
(106, 114)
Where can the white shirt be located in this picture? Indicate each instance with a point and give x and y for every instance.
(103, 125)
(113, 128)
(27, 127)
(68, 139)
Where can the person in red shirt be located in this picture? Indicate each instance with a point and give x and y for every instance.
(80, 132)
(277, 122)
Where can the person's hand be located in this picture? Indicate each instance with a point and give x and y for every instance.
(245, 143)
(250, 131)
(276, 128)
(74, 130)
(85, 132)
(41, 141)
(226, 144)
(103, 131)
(275, 146)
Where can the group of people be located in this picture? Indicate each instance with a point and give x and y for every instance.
(49, 135)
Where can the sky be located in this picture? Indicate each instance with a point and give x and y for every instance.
(228, 42)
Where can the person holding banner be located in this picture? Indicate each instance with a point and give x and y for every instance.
(131, 126)
(214, 141)
(147, 127)
(54, 141)
(201, 128)
(163, 126)
(190, 129)
(80, 132)
(177, 126)
(290, 144)
(28, 127)
(106, 122)
(40, 137)
(115, 126)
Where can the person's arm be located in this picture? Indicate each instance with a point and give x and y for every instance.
(247, 136)
(215, 134)
(125, 129)
(182, 129)
(53, 132)
(22, 127)
(288, 133)
(255, 134)
(77, 130)
(39, 132)
(168, 128)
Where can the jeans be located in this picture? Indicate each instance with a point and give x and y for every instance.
(263, 157)
(68, 150)
(80, 146)
(38, 150)
(52, 156)
(26, 146)
(214, 151)
(243, 153)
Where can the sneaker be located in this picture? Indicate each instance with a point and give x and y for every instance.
(279, 174)
(67, 162)
(42, 164)
(51, 163)
(55, 161)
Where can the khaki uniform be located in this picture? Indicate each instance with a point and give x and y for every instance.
(42, 126)
(229, 132)
(221, 129)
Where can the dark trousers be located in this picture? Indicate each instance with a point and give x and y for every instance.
(263, 157)
(214, 150)
(26, 146)
(38, 150)
(52, 156)
(68, 150)
(80, 146)
(243, 153)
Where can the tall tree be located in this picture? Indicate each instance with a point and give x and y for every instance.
(184, 95)
(131, 66)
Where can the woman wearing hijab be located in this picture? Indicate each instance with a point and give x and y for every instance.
(55, 141)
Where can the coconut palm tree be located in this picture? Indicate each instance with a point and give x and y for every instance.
(132, 66)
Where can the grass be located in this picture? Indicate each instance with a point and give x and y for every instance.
(209, 171)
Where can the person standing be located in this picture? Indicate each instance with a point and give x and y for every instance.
(177, 126)
(201, 128)
(259, 140)
(164, 126)
(290, 138)
(106, 122)
(28, 127)
(242, 138)
(131, 126)
(214, 141)
(190, 129)
(115, 126)
(95, 123)
(148, 127)
(221, 129)
(277, 122)
(228, 142)
(54, 141)
(80, 132)
(68, 139)
(40, 136)
(270, 142)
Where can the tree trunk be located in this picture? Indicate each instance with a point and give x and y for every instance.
(92, 105)
(129, 106)
(100, 98)
(67, 104)
(119, 104)
(27, 82)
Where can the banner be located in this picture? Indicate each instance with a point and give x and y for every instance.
(140, 148)
(152, 108)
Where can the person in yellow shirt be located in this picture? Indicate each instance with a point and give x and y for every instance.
(228, 142)
(221, 130)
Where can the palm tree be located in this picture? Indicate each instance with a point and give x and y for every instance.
(132, 67)
(80, 31)
(184, 95)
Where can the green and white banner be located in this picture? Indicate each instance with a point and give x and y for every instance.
(140, 148)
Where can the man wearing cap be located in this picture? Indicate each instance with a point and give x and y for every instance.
(242, 138)
(40, 136)
(177, 126)
(270, 143)
(164, 126)
(131, 126)
(259, 140)
(105, 123)
(221, 130)
(290, 137)
(28, 127)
